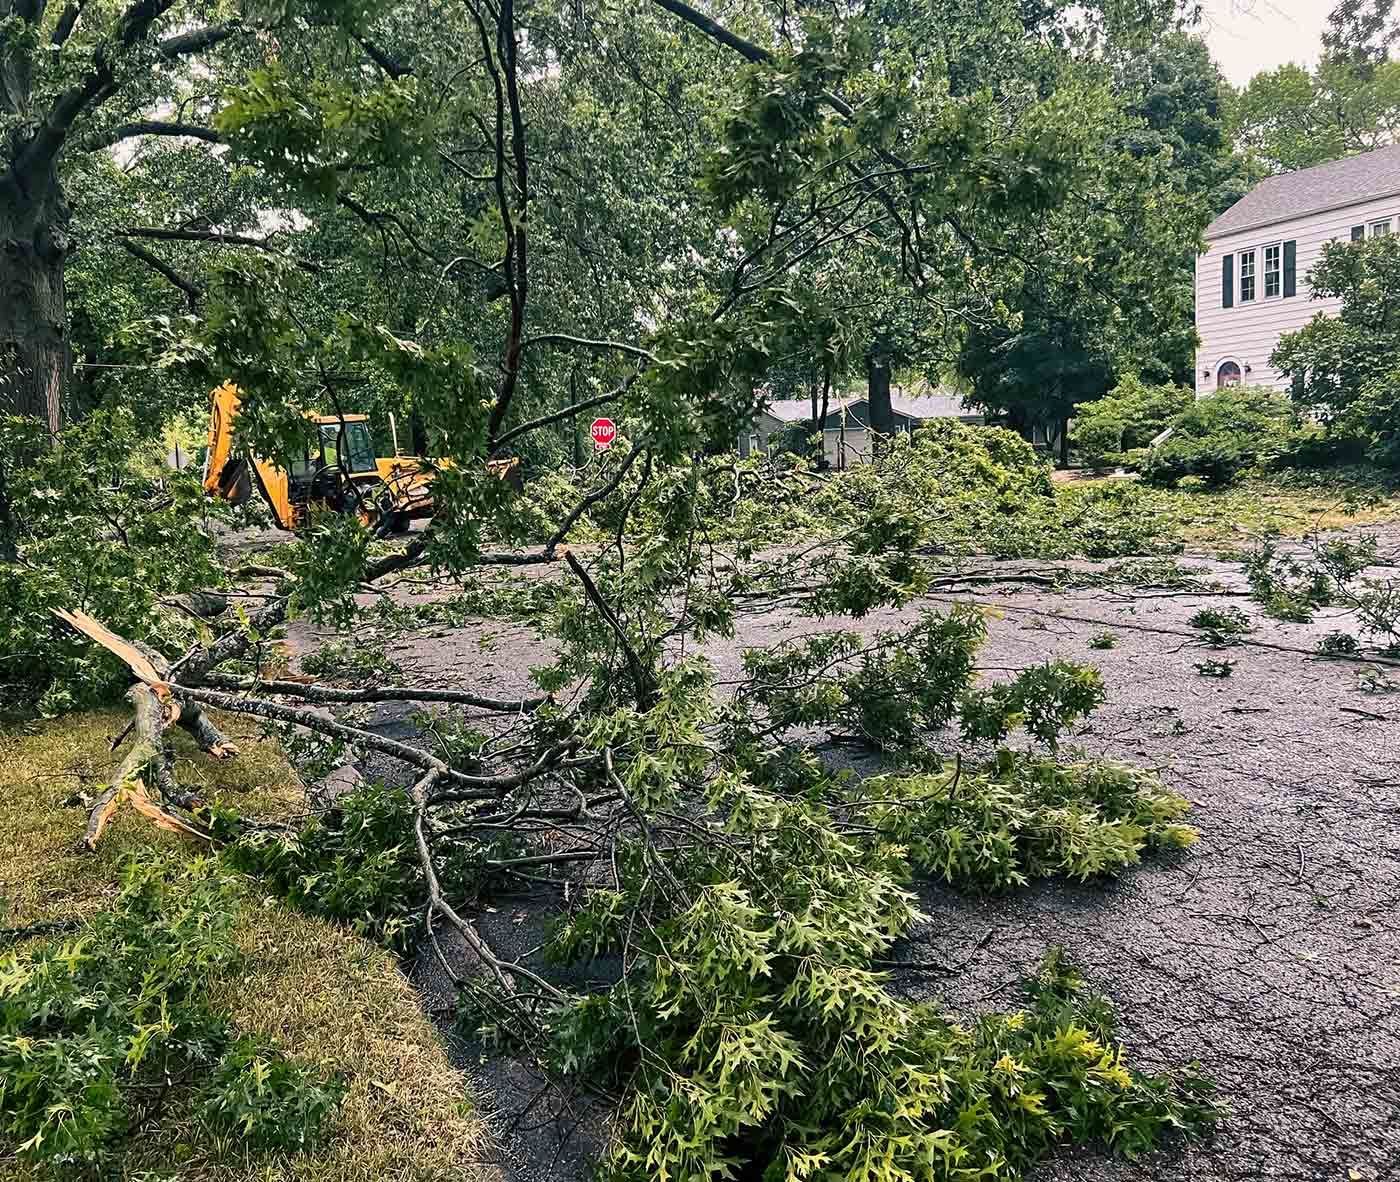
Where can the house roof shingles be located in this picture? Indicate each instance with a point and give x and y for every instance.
(1313, 190)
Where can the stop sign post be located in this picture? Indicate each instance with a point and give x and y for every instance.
(604, 431)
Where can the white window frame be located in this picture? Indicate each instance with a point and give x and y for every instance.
(1252, 276)
(1380, 228)
(1277, 248)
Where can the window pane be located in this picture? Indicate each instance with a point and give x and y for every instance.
(1272, 272)
(360, 446)
(356, 454)
(1380, 229)
(1246, 275)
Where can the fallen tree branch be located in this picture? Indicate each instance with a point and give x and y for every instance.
(592, 499)
(47, 927)
(642, 682)
(503, 971)
(483, 787)
(143, 767)
(383, 693)
(568, 411)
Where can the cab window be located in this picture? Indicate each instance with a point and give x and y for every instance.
(356, 454)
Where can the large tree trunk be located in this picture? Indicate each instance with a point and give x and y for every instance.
(878, 399)
(35, 360)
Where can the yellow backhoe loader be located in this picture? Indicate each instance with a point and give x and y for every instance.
(341, 474)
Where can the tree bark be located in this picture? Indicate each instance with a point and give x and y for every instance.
(878, 399)
(35, 357)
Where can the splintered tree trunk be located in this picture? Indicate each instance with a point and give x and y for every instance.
(35, 360)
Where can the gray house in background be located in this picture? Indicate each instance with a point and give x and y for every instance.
(846, 437)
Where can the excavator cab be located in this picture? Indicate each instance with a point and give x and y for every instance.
(347, 445)
(341, 471)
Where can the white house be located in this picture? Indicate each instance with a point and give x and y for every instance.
(846, 431)
(1252, 280)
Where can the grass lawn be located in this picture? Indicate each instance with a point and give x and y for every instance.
(324, 994)
(1288, 504)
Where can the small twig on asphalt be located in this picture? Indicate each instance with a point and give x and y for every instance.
(935, 966)
(1364, 714)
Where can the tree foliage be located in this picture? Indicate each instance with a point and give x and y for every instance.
(1292, 117)
(1221, 436)
(1126, 419)
(99, 1033)
(495, 223)
(1342, 366)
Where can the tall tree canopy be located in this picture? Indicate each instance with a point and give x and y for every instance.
(75, 79)
(1111, 289)
(1292, 118)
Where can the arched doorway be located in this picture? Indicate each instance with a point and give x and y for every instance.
(1227, 375)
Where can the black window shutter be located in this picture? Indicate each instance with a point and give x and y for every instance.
(1358, 233)
(1290, 267)
(1227, 281)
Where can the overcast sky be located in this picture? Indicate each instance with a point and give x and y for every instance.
(1246, 36)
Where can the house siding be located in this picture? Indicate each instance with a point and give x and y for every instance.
(1248, 332)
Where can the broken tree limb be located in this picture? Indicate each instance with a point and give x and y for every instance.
(384, 693)
(478, 787)
(143, 767)
(192, 718)
(152, 669)
(199, 661)
(147, 726)
(136, 660)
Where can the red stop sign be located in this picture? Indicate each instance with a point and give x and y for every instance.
(604, 431)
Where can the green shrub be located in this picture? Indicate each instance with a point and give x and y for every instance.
(1104, 640)
(1127, 418)
(1219, 437)
(1313, 445)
